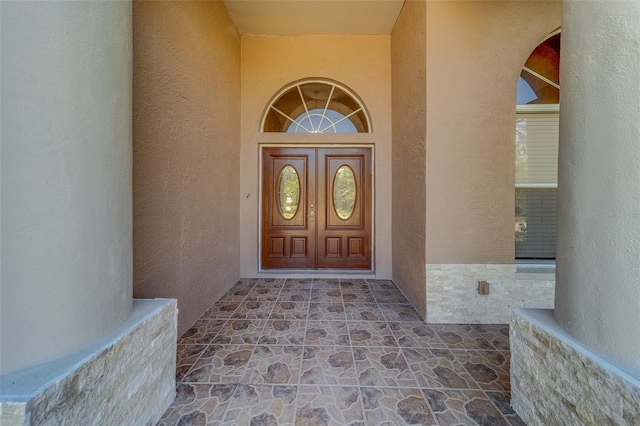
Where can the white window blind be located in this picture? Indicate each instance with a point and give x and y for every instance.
(536, 185)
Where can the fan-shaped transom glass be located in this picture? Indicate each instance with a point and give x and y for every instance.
(539, 82)
(316, 106)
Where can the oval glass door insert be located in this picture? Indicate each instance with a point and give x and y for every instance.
(289, 192)
(344, 192)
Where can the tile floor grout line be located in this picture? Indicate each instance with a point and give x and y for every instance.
(304, 339)
(186, 374)
(431, 410)
(379, 308)
(361, 395)
(268, 318)
(413, 373)
(244, 369)
(344, 310)
(226, 408)
(353, 355)
(295, 404)
(246, 366)
(496, 407)
(206, 346)
(355, 367)
(196, 361)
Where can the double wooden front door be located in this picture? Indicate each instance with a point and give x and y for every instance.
(316, 208)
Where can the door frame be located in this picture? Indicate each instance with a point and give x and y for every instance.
(288, 271)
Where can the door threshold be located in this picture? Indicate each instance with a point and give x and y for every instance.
(318, 273)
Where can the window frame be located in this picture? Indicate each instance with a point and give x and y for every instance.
(535, 109)
(297, 84)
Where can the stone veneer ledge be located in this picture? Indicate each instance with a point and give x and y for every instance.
(126, 378)
(555, 380)
(452, 293)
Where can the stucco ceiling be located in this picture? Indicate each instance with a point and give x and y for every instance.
(292, 17)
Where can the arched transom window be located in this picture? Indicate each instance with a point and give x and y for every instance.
(539, 82)
(316, 106)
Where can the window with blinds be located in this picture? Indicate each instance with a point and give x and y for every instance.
(536, 184)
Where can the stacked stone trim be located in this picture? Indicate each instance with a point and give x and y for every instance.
(452, 293)
(557, 381)
(129, 378)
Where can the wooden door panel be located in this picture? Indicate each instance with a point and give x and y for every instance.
(333, 247)
(344, 242)
(356, 246)
(288, 242)
(299, 247)
(275, 246)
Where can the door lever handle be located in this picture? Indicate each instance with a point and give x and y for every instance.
(311, 214)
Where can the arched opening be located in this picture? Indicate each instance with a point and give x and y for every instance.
(537, 126)
(316, 106)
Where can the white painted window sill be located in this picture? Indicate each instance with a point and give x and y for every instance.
(536, 270)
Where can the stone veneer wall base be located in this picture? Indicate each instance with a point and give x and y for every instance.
(125, 379)
(555, 380)
(452, 292)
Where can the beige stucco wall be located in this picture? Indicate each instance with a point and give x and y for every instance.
(360, 62)
(66, 177)
(475, 53)
(409, 120)
(455, 69)
(186, 131)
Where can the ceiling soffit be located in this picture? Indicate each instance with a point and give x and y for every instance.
(314, 17)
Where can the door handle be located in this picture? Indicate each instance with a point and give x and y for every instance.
(311, 214)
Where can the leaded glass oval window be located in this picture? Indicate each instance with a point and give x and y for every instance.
(344, 192)
(316, 106)
(288, 192)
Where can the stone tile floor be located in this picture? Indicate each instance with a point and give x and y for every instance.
(336, 352)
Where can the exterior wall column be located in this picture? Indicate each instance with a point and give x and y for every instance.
(66, 177)
(598, 267)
